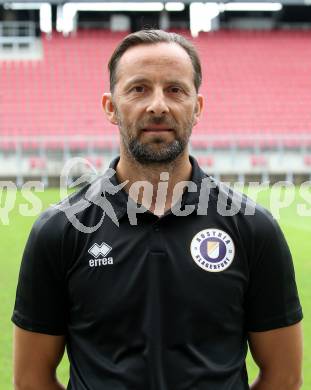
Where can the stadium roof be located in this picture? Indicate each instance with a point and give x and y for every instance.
(287, 2)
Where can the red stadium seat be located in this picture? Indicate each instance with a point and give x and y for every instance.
(251, 81)
(258, 161)
(205, 161)
(97, 162)
(307, 160)
(36, 162)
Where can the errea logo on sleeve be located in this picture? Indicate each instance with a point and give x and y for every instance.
(100, 252)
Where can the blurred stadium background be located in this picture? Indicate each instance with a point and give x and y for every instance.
(256, 64)
(256, 61)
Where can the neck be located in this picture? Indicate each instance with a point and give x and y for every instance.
(157, 193)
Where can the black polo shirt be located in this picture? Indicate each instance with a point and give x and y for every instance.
(163, 304)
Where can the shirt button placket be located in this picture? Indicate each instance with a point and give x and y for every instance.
(156, 243)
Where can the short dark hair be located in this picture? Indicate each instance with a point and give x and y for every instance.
(151, 37)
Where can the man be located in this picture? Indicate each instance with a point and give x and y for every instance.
(167, 300)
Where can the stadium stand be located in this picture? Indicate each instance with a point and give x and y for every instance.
(258, 161)
(307, 160)
(255, 83)
(37, 163)
(205, 161)
(97, 162)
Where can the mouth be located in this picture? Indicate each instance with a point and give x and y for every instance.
(157, 129)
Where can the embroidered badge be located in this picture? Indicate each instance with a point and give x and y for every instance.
(212, 250)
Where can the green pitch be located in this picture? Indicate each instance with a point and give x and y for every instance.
(15, 229)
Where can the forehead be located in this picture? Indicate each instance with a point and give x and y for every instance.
(160, 59)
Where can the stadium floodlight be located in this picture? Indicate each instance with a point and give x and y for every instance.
(117, 6)
(176, 6)
(59, 18)
(46, 18)
(44, 8)
(251, 6)
(202, 16)
(68, 16)
(69, 12)
(22, 6)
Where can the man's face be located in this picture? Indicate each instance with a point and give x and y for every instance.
(154, 103)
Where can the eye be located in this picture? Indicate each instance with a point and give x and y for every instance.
(175, 90)
(138, 89)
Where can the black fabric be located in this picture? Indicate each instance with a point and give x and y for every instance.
(152, 318)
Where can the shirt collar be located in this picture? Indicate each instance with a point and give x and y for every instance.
(120, 199)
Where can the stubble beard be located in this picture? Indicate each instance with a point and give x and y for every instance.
(157, 152)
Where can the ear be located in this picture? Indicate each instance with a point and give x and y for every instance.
(199, 108)
(109, 108)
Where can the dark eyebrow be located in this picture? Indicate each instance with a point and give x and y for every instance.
(178, 82)
(135, 80)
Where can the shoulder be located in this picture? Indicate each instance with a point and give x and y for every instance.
(77, 213)
(53, 222)
(254, 223)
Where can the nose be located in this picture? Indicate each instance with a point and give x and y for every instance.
(158, 104)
